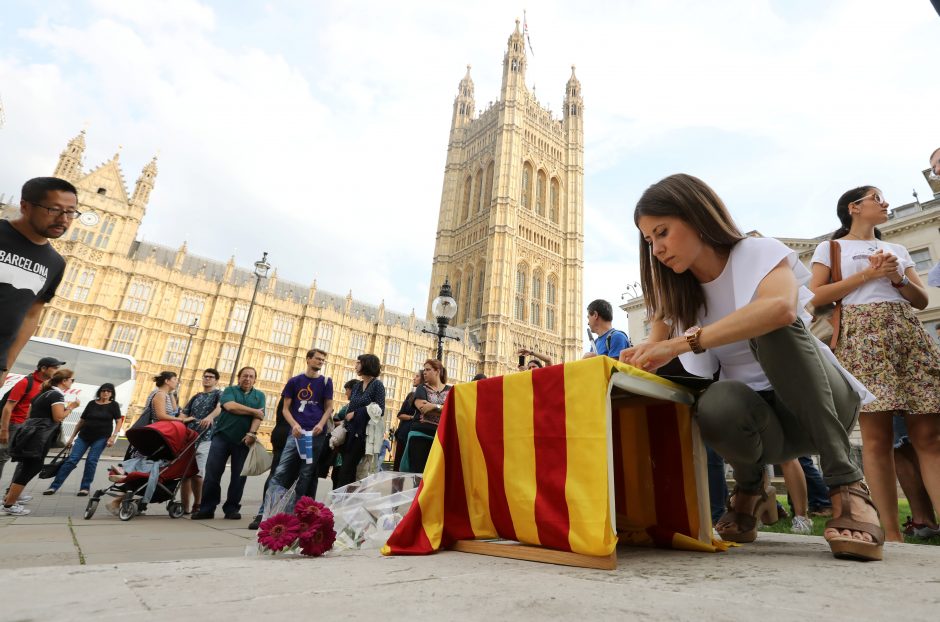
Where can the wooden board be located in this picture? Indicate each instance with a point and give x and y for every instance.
(515, 550)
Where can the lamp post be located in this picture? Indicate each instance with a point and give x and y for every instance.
(633, 290)
(191, 330)
(261, 272)
(444, 308)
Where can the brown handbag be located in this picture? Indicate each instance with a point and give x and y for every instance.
(826, 318)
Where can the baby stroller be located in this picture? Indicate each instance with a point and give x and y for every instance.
(174, 446)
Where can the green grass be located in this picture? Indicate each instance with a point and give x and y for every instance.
(819, 523)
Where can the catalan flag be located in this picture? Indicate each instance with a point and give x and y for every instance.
(548, 458)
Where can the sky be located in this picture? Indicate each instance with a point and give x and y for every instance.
(317, 131)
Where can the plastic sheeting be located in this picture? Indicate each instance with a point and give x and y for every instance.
(367, 511)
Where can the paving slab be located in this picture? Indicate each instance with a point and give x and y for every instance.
(38, 544)
(780, 577)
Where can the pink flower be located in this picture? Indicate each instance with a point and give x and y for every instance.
(279, 532)
(313, 512)
(320, 541)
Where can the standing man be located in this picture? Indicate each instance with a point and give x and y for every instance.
(610, 341)
(308, 405)
(203, 407)
(16, 408)
(30, 269)
(236, 429)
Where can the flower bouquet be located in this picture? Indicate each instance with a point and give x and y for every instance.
(309, 530)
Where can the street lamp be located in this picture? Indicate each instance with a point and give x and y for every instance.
(261, 272)
(444, 308)
(191, 330)
(633, 290)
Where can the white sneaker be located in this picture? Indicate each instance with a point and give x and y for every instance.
(24, 499)
(14, 510)
(802, 525)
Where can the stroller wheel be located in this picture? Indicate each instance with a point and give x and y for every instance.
(90, 508)
(174, 509)
(128, 510)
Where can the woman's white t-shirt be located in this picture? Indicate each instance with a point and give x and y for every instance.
(855, 254)
(750, 261)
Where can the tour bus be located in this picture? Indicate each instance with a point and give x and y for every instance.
(92, 369)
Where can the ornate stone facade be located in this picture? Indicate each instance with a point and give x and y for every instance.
(510, 235)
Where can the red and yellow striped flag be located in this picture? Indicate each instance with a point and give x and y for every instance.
(529, 457)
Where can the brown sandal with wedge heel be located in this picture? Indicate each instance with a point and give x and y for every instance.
(847, 547)
(745, 525)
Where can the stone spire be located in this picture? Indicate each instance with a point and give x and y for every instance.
(514, 63)
(144, 184)
(463, 103)
(70, 160)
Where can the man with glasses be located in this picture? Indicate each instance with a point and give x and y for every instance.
(204, 407)
(30, 269)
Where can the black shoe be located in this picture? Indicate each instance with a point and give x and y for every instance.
(254, 524)
(200, 515)
(233, 516)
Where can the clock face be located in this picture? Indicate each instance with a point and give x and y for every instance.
(89, 219)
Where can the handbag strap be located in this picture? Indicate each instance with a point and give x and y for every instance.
(835, 262)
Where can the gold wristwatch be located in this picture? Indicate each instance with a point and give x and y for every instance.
(691, 336)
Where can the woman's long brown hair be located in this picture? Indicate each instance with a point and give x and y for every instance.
(678, 298)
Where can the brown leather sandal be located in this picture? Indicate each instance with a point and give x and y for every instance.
(745, 524)
(847, 547)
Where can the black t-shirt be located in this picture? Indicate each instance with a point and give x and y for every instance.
(99, 420)
(28, 272)
(41, 407)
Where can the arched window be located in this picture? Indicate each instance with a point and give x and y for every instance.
(526, 185)
(466, 306)
(540, 194)
(535, 310)
(550, 296)
(456, 289)
(477, 193)
(467, 187)
(555, 200)
(479, 310)
(488, 187)
(521, 278)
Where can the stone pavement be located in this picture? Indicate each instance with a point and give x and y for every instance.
(780, 577)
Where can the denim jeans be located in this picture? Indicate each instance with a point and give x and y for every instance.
(220, 451)
(816, 489)
(717, 483)
(292, 467)
(79, 447)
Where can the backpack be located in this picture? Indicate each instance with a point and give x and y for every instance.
(29, 387)
(610, 335)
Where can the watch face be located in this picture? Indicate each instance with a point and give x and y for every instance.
(89, 219)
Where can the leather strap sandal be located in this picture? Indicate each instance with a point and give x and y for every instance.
(734, 526)
(847, 547)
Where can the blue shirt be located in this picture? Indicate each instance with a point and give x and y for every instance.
(308, 398)
(617, 341)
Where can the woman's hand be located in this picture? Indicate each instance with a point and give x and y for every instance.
(74, 404)
(297, 431)
(109, 442)
(651, 356)
(884, 265)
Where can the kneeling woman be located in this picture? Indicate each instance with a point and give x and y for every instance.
(721, 300)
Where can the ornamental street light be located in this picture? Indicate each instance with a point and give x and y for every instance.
(191, 330)
(261, 272)
(633, 290)
(444, 308)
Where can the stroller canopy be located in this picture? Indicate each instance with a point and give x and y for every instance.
(163, 440)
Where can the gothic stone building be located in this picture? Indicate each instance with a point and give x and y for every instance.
(510, 234)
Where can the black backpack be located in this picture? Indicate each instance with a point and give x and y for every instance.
(29, 387)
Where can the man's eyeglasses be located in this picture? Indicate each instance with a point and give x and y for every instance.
(877, 196)
(55, 212)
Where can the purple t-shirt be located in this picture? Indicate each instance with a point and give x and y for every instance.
(308, 396)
